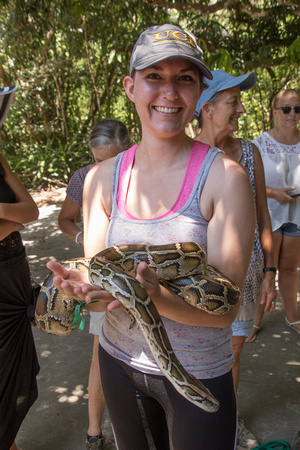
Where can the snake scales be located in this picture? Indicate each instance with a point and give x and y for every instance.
(180, 267)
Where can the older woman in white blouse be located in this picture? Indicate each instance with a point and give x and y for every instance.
(280, 151)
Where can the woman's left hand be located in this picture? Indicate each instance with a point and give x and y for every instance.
(148, 280)
(269, 293)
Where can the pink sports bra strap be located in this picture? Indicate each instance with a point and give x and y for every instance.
(198, 153)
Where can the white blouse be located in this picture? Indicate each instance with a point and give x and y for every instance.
(282, 169)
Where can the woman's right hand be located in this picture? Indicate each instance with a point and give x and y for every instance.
(75, 284)
(281, 195)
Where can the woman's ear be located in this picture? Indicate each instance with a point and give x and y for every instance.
(275, 113)
(207, 108)
(128, 84)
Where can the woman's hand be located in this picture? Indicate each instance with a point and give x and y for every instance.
(269, 293)
(148, 279)
(281, 195)
(75, 284)
(7, 227)
(24, 210)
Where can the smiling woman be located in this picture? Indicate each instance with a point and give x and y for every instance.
(166, 189)
(218, 111)
(169, 89)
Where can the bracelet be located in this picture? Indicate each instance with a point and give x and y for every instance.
(77, 236)
(269, 269)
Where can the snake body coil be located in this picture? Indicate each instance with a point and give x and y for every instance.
(181, 268)
(54, 312)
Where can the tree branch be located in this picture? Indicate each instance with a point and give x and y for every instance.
(289, 3)
(257, 13)
(194, 7)
(249, 8)
(64, 121)
(264, 63)
(2, 75)
(89, 62)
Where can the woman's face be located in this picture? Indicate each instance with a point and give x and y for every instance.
(165, 96)
(227, 110)
(291, 119)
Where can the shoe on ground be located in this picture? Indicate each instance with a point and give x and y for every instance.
(253, 336)
(94, 442)
(292, 325)
(245, 439)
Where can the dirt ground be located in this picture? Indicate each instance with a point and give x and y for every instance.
(43, 239)
(45, 197)
(269, 391)
(58, 420)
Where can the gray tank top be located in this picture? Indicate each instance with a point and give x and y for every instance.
(203, 351)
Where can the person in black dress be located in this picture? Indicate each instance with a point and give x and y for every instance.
(18, 359)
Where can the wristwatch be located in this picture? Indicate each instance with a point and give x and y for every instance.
(269, 269)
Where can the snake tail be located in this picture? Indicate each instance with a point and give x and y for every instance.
(135, 299)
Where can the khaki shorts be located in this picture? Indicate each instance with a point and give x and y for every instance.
(96, 322)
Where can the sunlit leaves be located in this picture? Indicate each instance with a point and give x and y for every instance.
(70, 56)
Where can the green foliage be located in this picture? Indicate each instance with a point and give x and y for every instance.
(293, 51)
(69, 58)
(252, 36)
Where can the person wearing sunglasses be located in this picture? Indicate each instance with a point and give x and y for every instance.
(218, 111)
(280, 151)
(288, 109)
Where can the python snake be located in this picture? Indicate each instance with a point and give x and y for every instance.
(180, 267)
(54, 312)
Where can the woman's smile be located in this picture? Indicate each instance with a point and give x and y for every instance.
(165, 110)
(165, 95)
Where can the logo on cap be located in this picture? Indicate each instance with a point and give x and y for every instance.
(174, 37)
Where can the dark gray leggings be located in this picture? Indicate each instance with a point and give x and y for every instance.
(146, 409)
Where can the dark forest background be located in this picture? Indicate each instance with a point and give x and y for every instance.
(69, 58)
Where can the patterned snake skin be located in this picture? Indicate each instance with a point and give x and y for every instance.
(180, 267)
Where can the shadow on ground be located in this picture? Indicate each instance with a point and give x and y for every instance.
(269, 393)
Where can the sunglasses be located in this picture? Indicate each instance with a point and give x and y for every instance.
(288, 109)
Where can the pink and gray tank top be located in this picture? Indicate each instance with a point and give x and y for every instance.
(204, 351)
